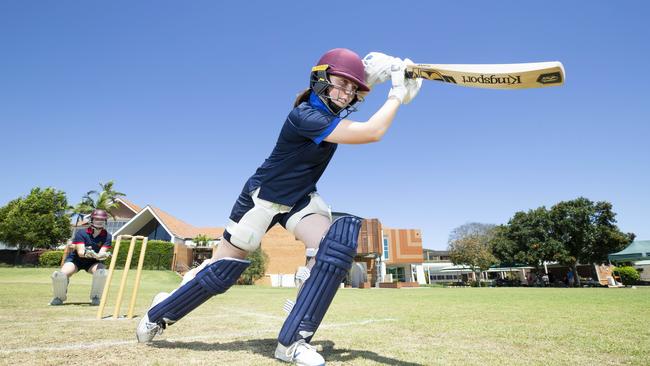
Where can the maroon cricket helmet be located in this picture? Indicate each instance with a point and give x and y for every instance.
(98, 214)
(344, 62)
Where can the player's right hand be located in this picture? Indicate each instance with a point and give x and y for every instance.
(412, 85)
(398, 89)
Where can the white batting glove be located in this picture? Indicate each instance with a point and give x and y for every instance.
(398, 90)
(412, 85)
(377, 67)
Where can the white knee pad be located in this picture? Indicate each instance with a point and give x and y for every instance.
(316, 206)
(248, 232)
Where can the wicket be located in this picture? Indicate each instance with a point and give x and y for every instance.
(127, 264)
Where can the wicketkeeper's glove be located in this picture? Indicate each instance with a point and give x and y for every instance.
(103, 255)
(89, 253)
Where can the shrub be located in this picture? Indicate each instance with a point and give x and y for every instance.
(50, 258)
(159, 254)
(257, 268)
(629, 275)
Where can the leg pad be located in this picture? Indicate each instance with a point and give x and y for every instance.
(60, 285)
(333, 260)
(99, 280)
(214, 279)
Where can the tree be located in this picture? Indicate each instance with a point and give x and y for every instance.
(528, 238)
(104, 200)
(201, 240)
(469, 245)
(38, 220)
(259, 262)
(587, 231)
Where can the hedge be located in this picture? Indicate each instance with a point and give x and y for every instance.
(629, 275)
(259, 262)
(50, 258)
(159, 254)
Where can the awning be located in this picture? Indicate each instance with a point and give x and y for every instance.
(508, 269)
(637, 251)
(457, 268)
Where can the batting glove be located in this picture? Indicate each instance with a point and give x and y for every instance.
(412, 85)
(377, 67)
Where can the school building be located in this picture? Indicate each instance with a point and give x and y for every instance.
(386, 257)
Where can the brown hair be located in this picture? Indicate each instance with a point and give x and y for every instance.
(303, 96)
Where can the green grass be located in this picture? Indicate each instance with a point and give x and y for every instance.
(423, 326)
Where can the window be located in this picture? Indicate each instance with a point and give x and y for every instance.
(385, 247)
(154, 231)
(113, 225)
(398, 274)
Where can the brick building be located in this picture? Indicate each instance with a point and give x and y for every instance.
(385, 255)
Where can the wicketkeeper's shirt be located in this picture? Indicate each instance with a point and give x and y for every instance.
(85, 237)
(300, 155)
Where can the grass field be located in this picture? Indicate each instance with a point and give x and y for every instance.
(422, 326)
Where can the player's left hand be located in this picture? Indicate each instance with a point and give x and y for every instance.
(103, 255)
(89, 253)
(377, 67)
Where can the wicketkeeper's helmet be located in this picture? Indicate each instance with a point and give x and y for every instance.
(98, 214)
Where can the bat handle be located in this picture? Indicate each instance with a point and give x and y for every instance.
(409, 74)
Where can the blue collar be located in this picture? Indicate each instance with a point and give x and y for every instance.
(315, 102)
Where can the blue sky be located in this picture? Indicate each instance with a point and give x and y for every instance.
(179, 102)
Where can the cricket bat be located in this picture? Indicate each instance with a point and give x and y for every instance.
(492, 76)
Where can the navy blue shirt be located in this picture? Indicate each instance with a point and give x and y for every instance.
(300, 155)
(85, 237)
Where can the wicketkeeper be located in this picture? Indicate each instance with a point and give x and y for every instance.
(90, 248)
(283, 190)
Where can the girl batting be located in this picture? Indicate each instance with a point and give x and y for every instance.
(283, 190)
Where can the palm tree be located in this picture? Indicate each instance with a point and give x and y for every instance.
(104, 200)
(106, 197)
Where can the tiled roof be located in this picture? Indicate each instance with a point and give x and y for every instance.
(184, 230)
(130, 204)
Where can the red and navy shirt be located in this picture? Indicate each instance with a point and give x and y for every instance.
(300, 155)
(85, 237)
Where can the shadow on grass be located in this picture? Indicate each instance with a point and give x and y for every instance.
(266, 348)
(74, 303)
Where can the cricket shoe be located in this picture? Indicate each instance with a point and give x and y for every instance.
(94, 301)
(146, 330)
(56, 301)
(301, 353)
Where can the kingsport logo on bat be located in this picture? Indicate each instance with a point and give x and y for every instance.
(492, 79)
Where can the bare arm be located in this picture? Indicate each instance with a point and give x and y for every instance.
(81, 249)
(350, 132)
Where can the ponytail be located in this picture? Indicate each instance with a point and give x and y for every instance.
(303, 96)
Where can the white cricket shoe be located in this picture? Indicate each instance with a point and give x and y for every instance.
(146, 330)
(301, 353)
(95, 301)
(56, 301)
